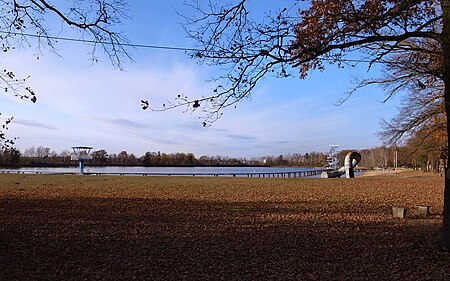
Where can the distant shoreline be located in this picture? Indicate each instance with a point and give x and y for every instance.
(87, 164)
(69, 165)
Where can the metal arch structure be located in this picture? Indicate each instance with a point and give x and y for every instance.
(351, 161)
(81, 153)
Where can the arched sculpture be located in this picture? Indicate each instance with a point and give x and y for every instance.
(351, 160)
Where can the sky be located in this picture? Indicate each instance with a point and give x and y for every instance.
(98, 105)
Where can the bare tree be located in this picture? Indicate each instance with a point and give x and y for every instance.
(23, 23)
(421, 122)
(123, 157)
(307, 38)
(65, 153)
(30, 152)
(416, 71)
(247, 50)
(428, 149)
(42, 151)
(100, 156)
(4, 141)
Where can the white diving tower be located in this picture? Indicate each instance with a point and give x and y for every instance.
(332, 157)
(81, 153)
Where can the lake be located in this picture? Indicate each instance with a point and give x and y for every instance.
(200, 171)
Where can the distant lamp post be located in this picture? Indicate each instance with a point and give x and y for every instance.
(395, 158)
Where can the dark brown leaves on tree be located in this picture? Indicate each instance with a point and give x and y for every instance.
(144, 104)
(196, 104)
(421, 84)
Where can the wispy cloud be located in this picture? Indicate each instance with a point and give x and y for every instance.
(124, 123)
(282, 142)
(242, 137)
(33, 124)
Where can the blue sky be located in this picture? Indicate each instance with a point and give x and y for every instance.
(81, 103)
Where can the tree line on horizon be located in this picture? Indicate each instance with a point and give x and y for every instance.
(428, 157)
(409, 39)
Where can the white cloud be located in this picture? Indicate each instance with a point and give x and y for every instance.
(80, 103)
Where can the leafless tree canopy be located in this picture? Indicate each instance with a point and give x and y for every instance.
(244, 47)
(310, 35)
(419, 73)
(421, 122)
(301, 37)
(25, 23)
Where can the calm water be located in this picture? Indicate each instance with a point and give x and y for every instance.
(161, 170)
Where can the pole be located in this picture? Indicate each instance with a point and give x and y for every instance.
(396, 160)
(82, 166)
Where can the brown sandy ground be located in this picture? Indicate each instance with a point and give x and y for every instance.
(400, 172)
(174, 228)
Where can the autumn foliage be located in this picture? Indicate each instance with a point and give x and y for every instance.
(175, 228)
(328, 30)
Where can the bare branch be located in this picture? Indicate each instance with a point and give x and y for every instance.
(248, 46)
(93, 18)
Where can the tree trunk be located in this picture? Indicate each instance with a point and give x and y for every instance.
(445, 4)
